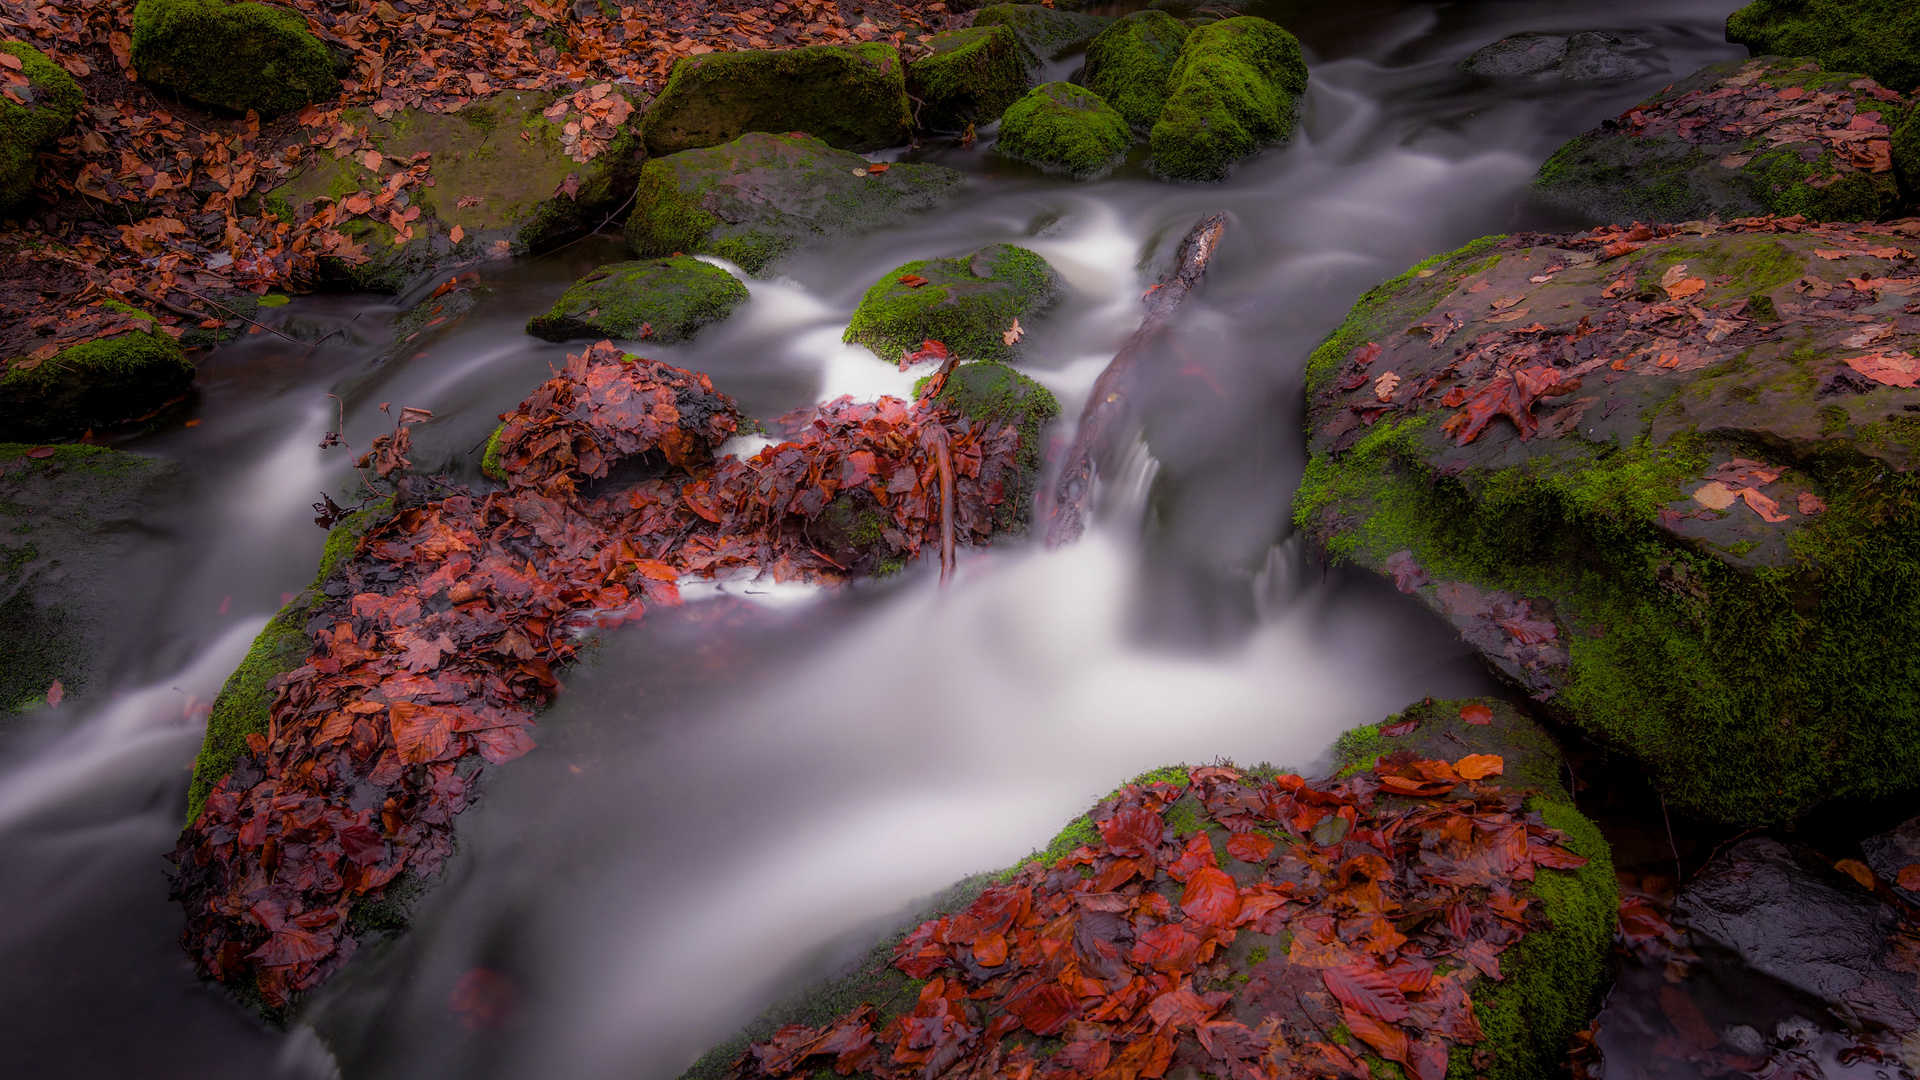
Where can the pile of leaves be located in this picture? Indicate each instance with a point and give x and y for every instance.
(148, 198)
(438, 641)
(1398, 888)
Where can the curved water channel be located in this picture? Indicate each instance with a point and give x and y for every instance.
(731, 792)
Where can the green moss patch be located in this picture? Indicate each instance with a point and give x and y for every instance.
(762, 196)
(1130, 62)
(1233, 89)
(664, 300)
(849, 96)
(966, 303)
(48, 104)
(235, 56)
(1878, 37)
(1044, 33)
(971, 77)
(1061, 126)
(96, 384)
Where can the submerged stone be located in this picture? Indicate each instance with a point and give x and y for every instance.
(971, 77)
(1129, 63)
(1517, 56)
(1233, 89)
(1062, 126)
(967, 303)
(1734, 139)
(235, 56)
(762, 196)
(111, 380)
(1591, 56)
(853, 97)
(48, 103)
(1044, 33)
(660, 300)
(1664, 481)
(503, 175)
(1878, 37)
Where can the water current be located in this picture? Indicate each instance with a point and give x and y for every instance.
(730, 794)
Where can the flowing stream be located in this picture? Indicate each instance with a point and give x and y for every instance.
(729, 795)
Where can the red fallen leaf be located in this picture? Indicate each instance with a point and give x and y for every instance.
(1404, 727)
(1366, 354)
(1909, 877)
(56, 693)
(1482, 956)
(1230, 1040)
(1211, 898)
(40, 451)
(990, 950)
(1196, 855)
(482, 998)
(1132, 830)
(1043, 1006)
(1366, 989)
(1168, 949)
(1388, 1041)
(1250, 847)
(877, 169)
(291, 945)
(912, 281)
(1476, 714)
(1479, 766)
(1182, 1007)
(1427, 1060)
(1083, 1057)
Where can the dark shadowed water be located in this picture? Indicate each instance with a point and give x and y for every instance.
(729, 789)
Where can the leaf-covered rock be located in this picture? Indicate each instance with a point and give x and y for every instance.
(1234, 88)
(1062, 126)
(852, 97)
(49, 100)
(970, 77)
(130, 370)
(1878, 37)
(235, 56)
(762, 196)
(1770, 135)
(664, 300)
(1044, 33)
(967, 303)
(1129, 63)
(1663, 480)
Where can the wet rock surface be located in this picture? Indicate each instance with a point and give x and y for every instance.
(1045, 33)
(1590, 56)
(661, 300)
(969, 304)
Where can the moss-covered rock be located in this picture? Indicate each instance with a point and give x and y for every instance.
(1678, 514)
(47, 105)
(500, 174)
(66, 526)
(967, 303)
(1906, 156)
(241, 709)
(1233, 89)
(663, 300)
(235, 56)
(1062, 126)
(1044, 33)
(994, 392)
(1878, 37)
(849, 96)
(96, 384)
(1667, 160)
(1130, 62)
(762, 196)
(971, 77)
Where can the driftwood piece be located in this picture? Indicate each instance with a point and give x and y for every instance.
(1110, 407)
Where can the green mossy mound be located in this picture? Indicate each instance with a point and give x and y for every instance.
(234, 56)
(51, 99)
(1878, 37)
(1129, 63)
(500, 157)
(849, 96)
(241, 709)
(971, 77)
(967, 303)
(660, 300)
(97, 384)
(762, 196)
(1044, 33)
(1232, 90)
(66, 531)
(1062, 126)
(1616, 173)
(1755, 664)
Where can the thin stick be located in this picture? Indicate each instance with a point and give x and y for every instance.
(237, 315)
(1679, 875)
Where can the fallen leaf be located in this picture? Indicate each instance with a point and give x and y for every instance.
(55, 693)
(1715, 495)
(1768, 509)
(1889, 369)
(1809, 503)
(1479, 766)
(456, 234)
(1734, 161)
(1013, 334)
(1832, 255)
(40, 452)
(1505, 302)
(1383, 386)
(912, 281)
(1909, 877)
(1856, 870)
(1476, 714)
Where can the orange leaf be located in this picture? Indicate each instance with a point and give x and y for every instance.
(1856, 870)
(1479, 766)
(656, 569)
(1211, 898)
(912, 281)
(1909, 878)
(1250, 847)
(1389, 1042)
(1476, 714)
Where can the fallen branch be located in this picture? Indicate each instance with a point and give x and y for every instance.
(1110, 406)
(943, 457)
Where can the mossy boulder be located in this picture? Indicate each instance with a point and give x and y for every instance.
(967, 303)
(1232, 90)
(1590, 56)
(1130, 62)
(1550, 979)
(1664, 481)
(971, 77)
(763, 196)
(1878, 37)
(68, 521)
(1673, 157)
(1044, 33)
(501, 176)
(1063, 126)
(661, 300)
(48, 103)
(111, 380)
(849, 96)
(234, 56)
